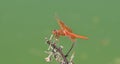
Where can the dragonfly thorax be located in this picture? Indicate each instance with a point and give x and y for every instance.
(58, 32)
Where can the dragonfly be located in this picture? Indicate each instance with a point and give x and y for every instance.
(66, 31)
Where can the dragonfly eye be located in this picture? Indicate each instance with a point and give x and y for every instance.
(54, 31)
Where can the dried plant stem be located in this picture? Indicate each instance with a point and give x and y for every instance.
(59, 50)
(70, 49)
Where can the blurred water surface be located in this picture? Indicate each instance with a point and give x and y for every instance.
(25, 23)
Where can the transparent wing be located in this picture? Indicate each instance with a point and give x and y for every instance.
(63, 26)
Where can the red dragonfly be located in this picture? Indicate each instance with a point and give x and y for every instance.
(66, 31)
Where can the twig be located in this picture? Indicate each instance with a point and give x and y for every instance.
(59, 50)
(70, 49)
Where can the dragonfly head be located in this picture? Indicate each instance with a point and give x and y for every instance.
(55, 32)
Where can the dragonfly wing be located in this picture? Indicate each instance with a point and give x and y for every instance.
(74, 36)
(63, 26)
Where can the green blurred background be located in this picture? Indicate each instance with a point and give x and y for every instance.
(25, 23)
